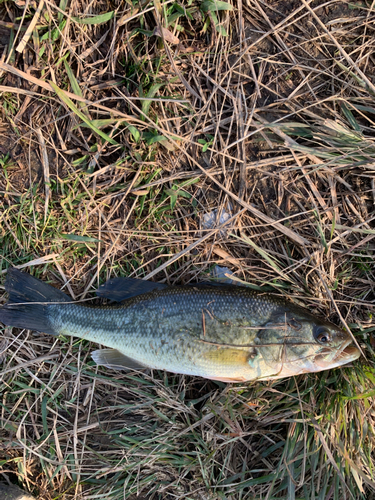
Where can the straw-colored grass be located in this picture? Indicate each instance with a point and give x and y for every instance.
(122, 124)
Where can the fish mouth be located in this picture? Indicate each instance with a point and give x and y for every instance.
(351, 352)
(330, 359)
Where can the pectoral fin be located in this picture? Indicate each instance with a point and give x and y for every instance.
(112, 358)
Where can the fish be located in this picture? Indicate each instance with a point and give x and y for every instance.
(220, 332)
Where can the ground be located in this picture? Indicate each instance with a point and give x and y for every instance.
(122, 125)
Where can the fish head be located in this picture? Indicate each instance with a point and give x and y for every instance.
(297, 342)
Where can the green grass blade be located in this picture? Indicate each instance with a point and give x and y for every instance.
(261, 252)
(79, 113)
(77, 237)
(350, 117)
(105, 122)
(102, 18)
(355, 229)
(75, 86)
(62, 6)
(151, 93)
(215, 5)
(73, 81)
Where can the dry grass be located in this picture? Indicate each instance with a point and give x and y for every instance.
(114, 142)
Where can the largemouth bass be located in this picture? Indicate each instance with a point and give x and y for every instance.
(221, 332)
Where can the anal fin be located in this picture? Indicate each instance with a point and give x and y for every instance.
(112, 358)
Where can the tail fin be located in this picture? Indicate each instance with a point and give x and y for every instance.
(26, 307)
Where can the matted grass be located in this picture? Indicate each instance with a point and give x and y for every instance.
(122, 125)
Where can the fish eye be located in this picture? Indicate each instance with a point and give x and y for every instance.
(322, 335)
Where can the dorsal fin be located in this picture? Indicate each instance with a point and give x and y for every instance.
(120, 289)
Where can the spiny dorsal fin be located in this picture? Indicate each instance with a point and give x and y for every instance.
(120, 289)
